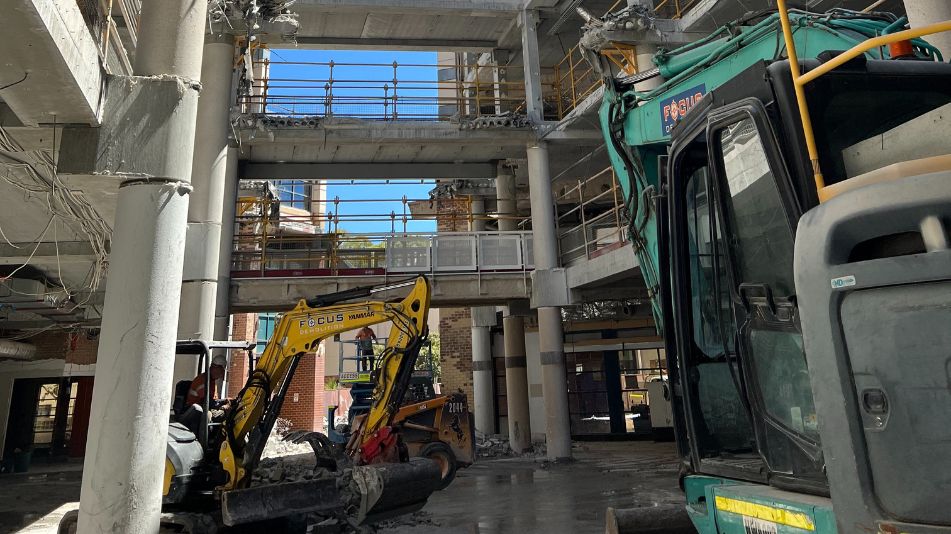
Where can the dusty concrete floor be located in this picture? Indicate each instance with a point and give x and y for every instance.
(495, 496)
(519, 495)
(33, 502)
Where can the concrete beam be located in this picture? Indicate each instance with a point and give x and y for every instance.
(144, 115)
(359, 43)
(606, 268)
(331, 131)
(47, 42)
(363, 171)
(67, 251)
(496, 8)
(254, 295)
(666, 32)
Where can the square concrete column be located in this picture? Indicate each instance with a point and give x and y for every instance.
(516, 382)
(528, 20)
(550, 333)
(483, 369)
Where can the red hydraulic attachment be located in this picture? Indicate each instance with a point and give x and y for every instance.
(382, 447)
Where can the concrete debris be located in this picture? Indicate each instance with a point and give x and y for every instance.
(503, 120)
(497, 446)
(416, 519)
(277, 447)
(272, 122)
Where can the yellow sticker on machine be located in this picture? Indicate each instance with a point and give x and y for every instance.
(766, 513)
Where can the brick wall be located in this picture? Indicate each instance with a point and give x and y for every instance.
(304, 405)
(309, 410)
(76, 348)
(455, 337)
(244, 327)
(453, 215)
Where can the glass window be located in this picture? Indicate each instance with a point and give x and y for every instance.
(783, 379)
(761, 239)
(265, 330)
(718, 399)
(294, 193)
(710, 301)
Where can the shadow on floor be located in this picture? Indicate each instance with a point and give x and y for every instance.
(34, 501)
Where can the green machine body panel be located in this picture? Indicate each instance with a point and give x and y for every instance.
(637, 125)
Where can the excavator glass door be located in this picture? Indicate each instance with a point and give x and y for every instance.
(732, 219)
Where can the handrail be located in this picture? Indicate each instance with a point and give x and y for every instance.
(800, 80)
(385, 91)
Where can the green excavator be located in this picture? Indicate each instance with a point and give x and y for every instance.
(788, 184)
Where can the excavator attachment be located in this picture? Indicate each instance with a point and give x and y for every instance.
(364, 493)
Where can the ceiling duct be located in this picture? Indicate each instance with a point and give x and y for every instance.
(16, 350)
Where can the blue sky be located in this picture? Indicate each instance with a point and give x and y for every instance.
(362, 94)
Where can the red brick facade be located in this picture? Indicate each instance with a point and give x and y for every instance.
(76, 348)
(455, 338)
(307, 412)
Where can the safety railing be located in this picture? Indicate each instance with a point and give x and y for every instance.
(311, 235)
(385, 92)
(329, 254)
(575, 79)
(596, 220)
(114, 25)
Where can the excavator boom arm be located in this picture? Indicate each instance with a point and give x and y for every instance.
(300, 331)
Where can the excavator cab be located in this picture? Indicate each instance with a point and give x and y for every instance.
(771, 422)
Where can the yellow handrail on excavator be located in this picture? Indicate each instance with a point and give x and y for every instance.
(800, 79)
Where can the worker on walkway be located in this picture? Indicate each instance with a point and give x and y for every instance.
(365, 338)
(196, 392)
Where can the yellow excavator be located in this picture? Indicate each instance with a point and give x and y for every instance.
(209, 464)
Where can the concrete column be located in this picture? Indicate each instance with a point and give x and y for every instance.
(209, 172)
(506, 200)
(125, 450)
(500, 58)
(550, 334)
(644, 57)
(225, 248)
(925, 12)
(483, 369)
(516, 383)
(528, 20)
(478, 215)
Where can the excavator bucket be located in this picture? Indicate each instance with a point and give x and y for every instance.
(366, 493)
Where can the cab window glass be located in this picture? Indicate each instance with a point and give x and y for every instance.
(762, 241)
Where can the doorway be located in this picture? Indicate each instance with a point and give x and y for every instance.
(48, 419)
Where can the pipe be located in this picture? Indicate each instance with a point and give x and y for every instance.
(16, 350)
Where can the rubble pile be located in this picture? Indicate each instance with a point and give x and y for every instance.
(277, 447)
(420, 518)
(497, 446)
